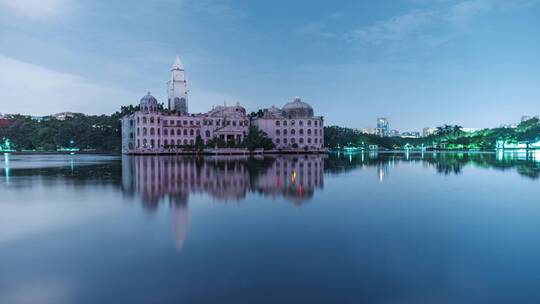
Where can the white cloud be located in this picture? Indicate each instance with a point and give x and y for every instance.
(43, 10)
(31, 89)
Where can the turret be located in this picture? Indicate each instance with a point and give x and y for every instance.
(177, 88)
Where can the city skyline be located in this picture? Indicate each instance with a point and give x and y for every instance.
(420, 63)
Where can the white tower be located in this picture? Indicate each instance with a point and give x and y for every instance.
(177, 88)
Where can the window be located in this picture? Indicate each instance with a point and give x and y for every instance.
(198, 132)
(315, 139)
(144, 131)
(198, 122)
(158, 120)
(158, 131)
(293, 140)
(315, 122)
(185, 132)
(293, 131)
(301, 140)
(309, 122)
(144, 120)
(284, 140)
(277, 132)
(165, 132)
(234, 123)
(165, 142)
(292, 122)
(191, 142)
(309, 131)
(144, 142)
(284, 131)
(301, 131)
(191, 122)
(151, 119)
(138, 143)
(178, 132)
(277, 122)
(284, 122)
(185, 122)
(185, 141)
(315, 131)
(277, 140)
(151, 131)
(138, 120)
(178, 142)
(138, 131)
(301, 123)
(131, 122)
(191, 132)
(207, 133)
(309, 140)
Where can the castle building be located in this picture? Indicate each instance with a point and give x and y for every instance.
(155, 130)
(292, 127)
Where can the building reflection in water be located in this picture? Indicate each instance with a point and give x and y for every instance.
(171, 179)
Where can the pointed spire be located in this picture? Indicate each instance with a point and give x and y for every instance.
(177, 65)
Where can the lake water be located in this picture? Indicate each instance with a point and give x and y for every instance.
(358, 228)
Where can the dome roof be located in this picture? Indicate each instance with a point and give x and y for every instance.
(298, 109)
(148, 99)
(148, 103)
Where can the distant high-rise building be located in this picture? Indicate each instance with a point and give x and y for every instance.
(393, 133)
(427, 131)
(383, 127)
(371, 131)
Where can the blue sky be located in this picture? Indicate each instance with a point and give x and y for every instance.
(418, 62)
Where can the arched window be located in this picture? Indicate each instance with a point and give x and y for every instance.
(151, 143)
(207, 133)
(309, 122)
(138, 120)
(151, 119)
(293, 131)
(300, 122)
(301, 131)
(285, 141)
(158, 131)
(144, 142)
(185, 141)
(185, 131)
(146, 109)
(158, 120)
(309, 131)
(151, 131)
(191, 142)
(198, 132)
(144, 120)
(301, 140)
(191, 132)
(138, 131)
(277, 123)
(284, 131)
(144, 131)
(284, 122)
(309, 140)
(138, 143)
(165, 132)
(315, 139)
(277, 140)
(178, 142)
(315, 131)
(165, 142)
(277, 132)
(178, 132)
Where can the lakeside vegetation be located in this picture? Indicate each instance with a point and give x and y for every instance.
(446, 137)
(102, 133)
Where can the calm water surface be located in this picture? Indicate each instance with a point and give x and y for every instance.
(362, 228)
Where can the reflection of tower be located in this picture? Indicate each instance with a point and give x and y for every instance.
(181, 222)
